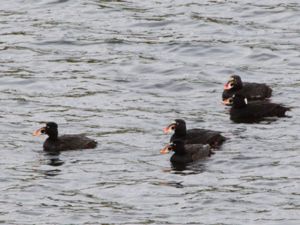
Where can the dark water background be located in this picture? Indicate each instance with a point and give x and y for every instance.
(120, 71)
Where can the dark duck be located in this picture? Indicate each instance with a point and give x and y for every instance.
(55, 143)
(186, 153)
(252, 91)
(244, 111)
(194, 136)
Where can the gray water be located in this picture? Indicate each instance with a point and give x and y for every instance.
(120, 71)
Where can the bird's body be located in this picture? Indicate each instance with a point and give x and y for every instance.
(56, 143)
(194, 136)
(192, 153)
(187, 153)
(69, 142)
(255, 111)
(200, 136)
(251, 91)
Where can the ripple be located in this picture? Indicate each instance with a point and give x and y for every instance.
(119, 71)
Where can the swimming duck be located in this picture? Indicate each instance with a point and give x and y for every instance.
(63, 142)
(186, 153)
(252, 91)
(194, 136)
(244, 111)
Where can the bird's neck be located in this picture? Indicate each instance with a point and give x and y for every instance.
(180, 132)
(239, 106)
(53, 137)
(180, 151)
(237, 87)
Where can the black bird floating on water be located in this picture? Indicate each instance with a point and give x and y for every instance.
(244, 111)
(55, 143)
(251, 91)
(194, 136)
(186, 153)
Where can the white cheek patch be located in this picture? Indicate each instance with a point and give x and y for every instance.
(246, 100)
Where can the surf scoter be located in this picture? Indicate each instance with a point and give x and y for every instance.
(64, 142)
(186, 153)
(194, 136)
(244, 111)
(252, 91)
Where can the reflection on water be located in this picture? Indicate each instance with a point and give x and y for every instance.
(50, 173)
(47, 159)
(191, 168)
(53, 159)
(170, 184)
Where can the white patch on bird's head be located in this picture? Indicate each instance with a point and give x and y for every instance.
(246, 100)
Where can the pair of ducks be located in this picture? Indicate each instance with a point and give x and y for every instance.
(193, 144)
(248, 101)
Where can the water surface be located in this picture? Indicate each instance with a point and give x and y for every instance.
(119, 71)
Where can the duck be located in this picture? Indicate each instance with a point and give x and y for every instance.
(55, 143)
(186, 153)
(193, 136)
(252, 91)
(244, 111)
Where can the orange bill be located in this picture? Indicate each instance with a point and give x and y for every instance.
(39, 131)
(169, 128)
(227, 101)
(166, 149)
(228, 85)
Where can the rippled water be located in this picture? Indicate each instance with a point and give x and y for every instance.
(120, 71)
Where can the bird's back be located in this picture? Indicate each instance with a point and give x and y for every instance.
(204, 136)
(251, 91)
(69, 142)
(193, 152)
(258, 110)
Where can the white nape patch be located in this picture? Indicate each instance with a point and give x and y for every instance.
(246, 100)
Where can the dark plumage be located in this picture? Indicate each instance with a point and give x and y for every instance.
(186, 153)
(194, 136)
(252, 91)
(242, 111)
(56, 143)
